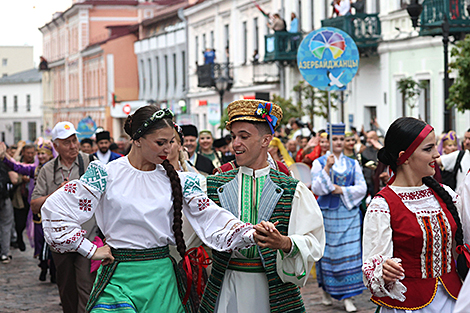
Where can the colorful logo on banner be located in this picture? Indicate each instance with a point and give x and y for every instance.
(328, 59)
(86, 128)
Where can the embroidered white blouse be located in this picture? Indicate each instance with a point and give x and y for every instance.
(378, 245)
(134, 210)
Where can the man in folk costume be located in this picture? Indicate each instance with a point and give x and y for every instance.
(266, 278)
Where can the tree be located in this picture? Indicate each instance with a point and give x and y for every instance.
(410, 89)
(289, 109)
(459, 92)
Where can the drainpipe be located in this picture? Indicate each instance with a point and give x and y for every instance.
(185, 92)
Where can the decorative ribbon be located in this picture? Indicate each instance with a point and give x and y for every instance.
(465, 250)
(409, 151)
(198, 258)
(160, 114)
(264, 111)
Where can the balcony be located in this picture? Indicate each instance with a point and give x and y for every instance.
(433, 16)
(265, 73)
(207, 74)
(281, 46)
(363, 28)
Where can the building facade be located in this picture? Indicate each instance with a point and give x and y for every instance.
(90, 60)
(21, 107)
(14, 59)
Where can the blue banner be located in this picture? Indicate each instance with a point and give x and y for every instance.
(86, 128)
(328, 59)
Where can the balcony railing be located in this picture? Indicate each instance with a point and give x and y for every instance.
(434, 12)
(363, 28)
(207, 74)
(265, 73)
(282, 46)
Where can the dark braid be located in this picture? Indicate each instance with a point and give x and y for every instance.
(177, 206)
(444, 195)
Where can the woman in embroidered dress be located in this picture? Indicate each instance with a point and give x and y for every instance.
(411, 226)
(339, 271)
(138, 202)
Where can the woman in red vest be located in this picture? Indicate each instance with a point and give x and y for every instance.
(411, 227)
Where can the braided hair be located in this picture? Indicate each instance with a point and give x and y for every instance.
(399, 137)
(132, 124)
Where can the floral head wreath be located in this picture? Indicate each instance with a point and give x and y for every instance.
(264, 111)
(159, 115)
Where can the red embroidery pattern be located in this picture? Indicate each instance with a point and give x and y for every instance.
(416, 195)
(84, 205)
(70, 188)
(203, 204)
(428, 248)
(75, 237)
(445, 241)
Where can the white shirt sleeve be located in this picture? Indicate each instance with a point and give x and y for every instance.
(353, 195)
(448, 160)
(321, 180)
(462, 202)
(308, 238)
(377, 248)
(71, 206)
(215, 226)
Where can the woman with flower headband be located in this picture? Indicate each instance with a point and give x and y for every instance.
(411, 227)
(45, 153)
(138, 202)
(340, 185)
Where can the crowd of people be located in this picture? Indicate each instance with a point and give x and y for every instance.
(122, 225)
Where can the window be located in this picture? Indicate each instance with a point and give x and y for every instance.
(245, 43)
(4, 62)
(4, 103)
(197, 50)
(256, 34)
(28, 103)
(32, 131)
(15, 103)
(183, 67)
(142, 70)
(212, 40)
(167, 83)
(227, 42)
(204, 43)
(157, 70)
(150, 75)
(175, 73)
(16, 131)
(425, 101)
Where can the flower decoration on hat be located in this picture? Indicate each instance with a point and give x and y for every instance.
(66, 126)
(264, 111)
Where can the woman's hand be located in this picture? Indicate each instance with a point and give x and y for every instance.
(338, 190)
(104, 254)
(392, 271)
(3, 150)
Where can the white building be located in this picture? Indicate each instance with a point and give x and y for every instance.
(21, 107)
(14, 59)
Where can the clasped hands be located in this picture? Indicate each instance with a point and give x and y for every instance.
(267, 236)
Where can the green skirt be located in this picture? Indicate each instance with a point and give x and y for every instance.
(140, 285)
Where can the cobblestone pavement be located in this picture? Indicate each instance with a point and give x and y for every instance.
(21, 290)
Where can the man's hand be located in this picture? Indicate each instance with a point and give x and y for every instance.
(104, 254)
(267, 236)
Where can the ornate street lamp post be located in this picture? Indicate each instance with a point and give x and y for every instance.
(221, 84)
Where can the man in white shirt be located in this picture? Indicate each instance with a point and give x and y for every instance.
(448, 161)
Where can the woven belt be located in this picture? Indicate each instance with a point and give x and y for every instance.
(123, 255)
(246, 265)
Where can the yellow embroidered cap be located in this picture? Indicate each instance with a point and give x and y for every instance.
(255, 111)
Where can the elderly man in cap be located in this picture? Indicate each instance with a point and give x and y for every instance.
(104, 154)
(265, 278)
(200, 162)
(73, 270)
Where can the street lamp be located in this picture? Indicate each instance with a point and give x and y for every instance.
(221, 84)
(414, 10)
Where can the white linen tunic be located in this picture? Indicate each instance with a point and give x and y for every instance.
(134, 210)
(378, 245)
(248, 292)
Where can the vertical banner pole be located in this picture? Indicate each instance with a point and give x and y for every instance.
(330, 131)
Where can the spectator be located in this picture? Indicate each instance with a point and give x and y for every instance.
(359, 6)
(104, 154)
(222, 147)
(123, 145)
(73, 270)
(278, 24)
(369, 161)
(7, 177)
(86, 145)
(294, 23)
(205, 148)
(209, 56)
(458, 160)
(343, 7)
(349, 143)
(200, 162)
(255, 56)
(291, 146)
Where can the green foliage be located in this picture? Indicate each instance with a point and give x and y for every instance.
(411, 90)
(459, 92)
